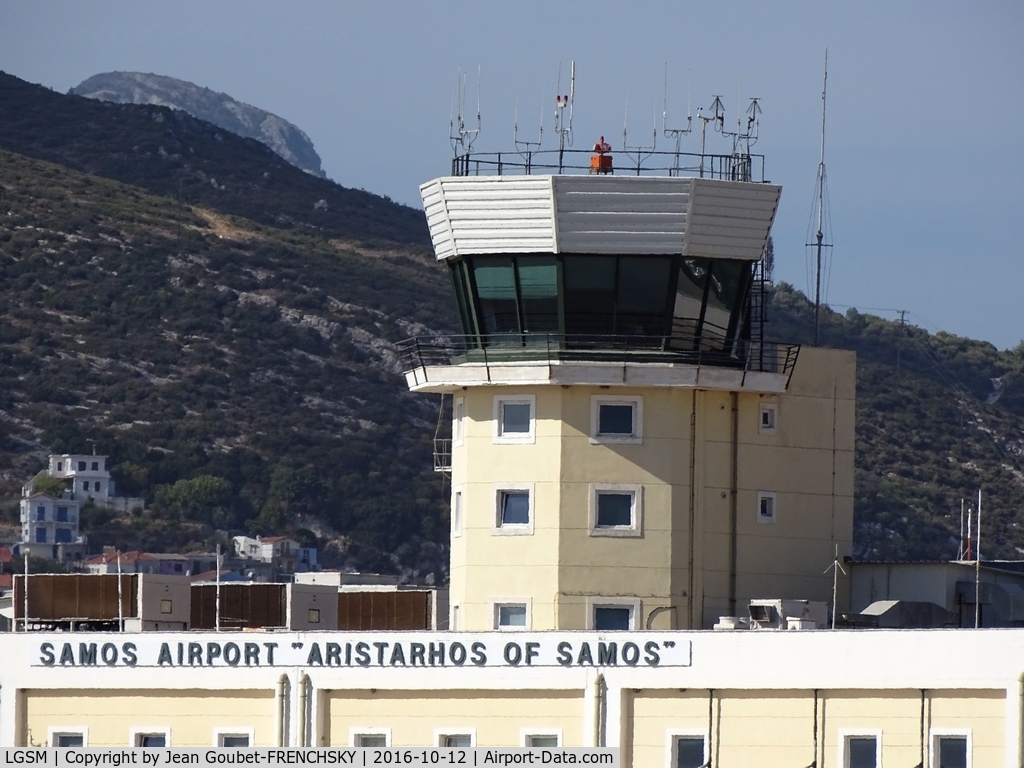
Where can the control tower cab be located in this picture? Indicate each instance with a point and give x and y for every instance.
(627, 451)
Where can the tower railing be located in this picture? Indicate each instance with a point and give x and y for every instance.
(734, 167)
(512, 348)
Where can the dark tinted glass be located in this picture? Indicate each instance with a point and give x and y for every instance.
(953, 752)
(69, 740)
(611, 618)
(693, 274)
(614, 509)
(589, 294)
(459, 740)
(515, 508)
(542, 742)
(234, 741)
(642, 294)
(538, 286)
(862, 752)
(515, 418)
(496, 292)
(460, 285)
(725, 284)
(153, 740)
(689, 752)
(615, 419)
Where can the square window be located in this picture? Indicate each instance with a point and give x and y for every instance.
(151, 740)
(314, 616)
(62, 514)
(951, 751)
(616, 419)
(166, 607)
(85, 485)
(60, 466)
(765, 507)
(455, 740)
(233, 740)
(541, 741)
(40, 513)
(767, 417)
(67, 739)
(81, 466)
(370, 740)
(40, 535)
(688, 752)
(612, 618)
(514, 419)
(862, 752)
(513, 510)
(95, 466)
(510, 616)
(616, 510)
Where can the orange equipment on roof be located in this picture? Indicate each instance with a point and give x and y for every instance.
(601, 162)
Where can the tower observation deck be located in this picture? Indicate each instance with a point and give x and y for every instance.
(657, 261)
(627, 451)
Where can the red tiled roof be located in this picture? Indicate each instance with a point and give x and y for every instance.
(126, 557)
(270, 539)
(6, 580)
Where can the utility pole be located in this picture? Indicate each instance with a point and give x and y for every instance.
(819, 243)
(899, 338)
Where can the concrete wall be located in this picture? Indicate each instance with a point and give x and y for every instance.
(680, 560)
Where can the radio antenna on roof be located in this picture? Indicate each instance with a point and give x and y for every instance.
(461, 137)
(563, 127)
(676, 133)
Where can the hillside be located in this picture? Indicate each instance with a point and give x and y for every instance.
(231, 347)
(286, 139)
(185, 342)
(169, 152)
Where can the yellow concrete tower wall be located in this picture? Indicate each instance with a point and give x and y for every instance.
(560, 569)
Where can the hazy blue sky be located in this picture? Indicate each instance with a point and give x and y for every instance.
(926, 104)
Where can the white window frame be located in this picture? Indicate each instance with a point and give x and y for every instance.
(637, 438)
(765, 407)
(149, 730)
(632, 603)
(458, 510)
(845, 734)
(66, 730)
(458, 421)
(355, 731)
(497, 602)
(634, 530)
(526, 733)
(761, 519)
(455, 618)
(515, 438)
(672, 734)
(513, 529)
(442, 733)
(220, 733)
(933, 744)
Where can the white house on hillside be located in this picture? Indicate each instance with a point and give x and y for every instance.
(49, 527)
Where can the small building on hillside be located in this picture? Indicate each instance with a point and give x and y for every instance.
(87, 478)
(285, 556)
(49, 528)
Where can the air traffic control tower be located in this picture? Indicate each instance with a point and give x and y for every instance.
(627, 451)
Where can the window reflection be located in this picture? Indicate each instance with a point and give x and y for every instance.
(538, 286)
(496, 293)
(589, 294)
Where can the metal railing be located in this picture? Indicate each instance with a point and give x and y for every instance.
(504, 349)
(739, 167)
(442, 454)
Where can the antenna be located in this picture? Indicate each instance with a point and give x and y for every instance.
(461, 137)
(835, 568)
(639, 150)
(676, 133)
(717, 112)
(562, 127)
(743, 138)
(528, 146)
(821, 194)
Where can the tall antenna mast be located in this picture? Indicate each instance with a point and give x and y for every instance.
(676, 133)
(563, 127)
(461, 137)
(819, 236)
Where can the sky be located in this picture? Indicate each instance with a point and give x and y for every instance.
(924, 167)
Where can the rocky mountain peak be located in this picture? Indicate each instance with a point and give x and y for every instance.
(286, 139)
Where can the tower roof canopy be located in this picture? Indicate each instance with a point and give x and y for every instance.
(601, 214)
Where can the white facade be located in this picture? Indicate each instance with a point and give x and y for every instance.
(87, 476)
(46, 520)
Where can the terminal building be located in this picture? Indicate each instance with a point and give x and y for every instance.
(632, 464)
